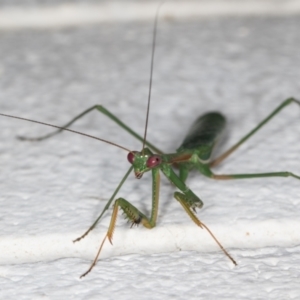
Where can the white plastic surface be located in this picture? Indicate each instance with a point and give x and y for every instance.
(52, 191)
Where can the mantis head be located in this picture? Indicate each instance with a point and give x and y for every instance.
(143, 161)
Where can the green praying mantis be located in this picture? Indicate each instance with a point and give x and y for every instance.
(194, 153)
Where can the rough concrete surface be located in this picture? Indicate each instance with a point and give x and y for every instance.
(52, 191)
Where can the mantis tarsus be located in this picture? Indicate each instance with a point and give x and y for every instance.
(194, 153)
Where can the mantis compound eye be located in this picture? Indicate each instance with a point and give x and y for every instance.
(154, 161)
(130, 156)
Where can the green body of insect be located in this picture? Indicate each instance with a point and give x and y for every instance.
(194, 153)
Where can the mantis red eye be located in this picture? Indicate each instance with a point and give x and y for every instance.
(130, 156)
(153, 161)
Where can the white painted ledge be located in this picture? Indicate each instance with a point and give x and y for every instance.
(66, 15)
(165, 238)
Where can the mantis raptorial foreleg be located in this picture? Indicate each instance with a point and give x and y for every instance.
(132, 214)
(186, 204)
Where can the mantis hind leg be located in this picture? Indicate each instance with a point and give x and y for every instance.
(247, 136)
(102, 110)
(253, 175)
(205, 170)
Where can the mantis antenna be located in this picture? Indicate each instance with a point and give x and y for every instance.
(66, 129)
(151, 72)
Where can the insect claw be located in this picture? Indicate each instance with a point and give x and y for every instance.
(79, 238)
(84, 274)
(84, 235)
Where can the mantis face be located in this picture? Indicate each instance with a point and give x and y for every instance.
(143, 161)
